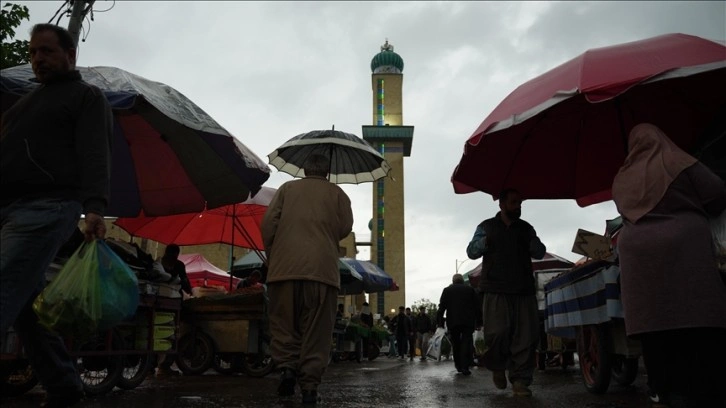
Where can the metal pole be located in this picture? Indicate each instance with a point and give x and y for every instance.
(78, 13)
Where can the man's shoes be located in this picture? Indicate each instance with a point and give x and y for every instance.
(500, 379)
(410, 359)
(62, 399)
(287, 383)
(521, 390)
(310, 397)
(423, 358)
(466, 372)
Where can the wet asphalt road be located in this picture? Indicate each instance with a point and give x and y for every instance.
(382, 382)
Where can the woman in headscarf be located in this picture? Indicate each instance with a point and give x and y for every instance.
(673, 297)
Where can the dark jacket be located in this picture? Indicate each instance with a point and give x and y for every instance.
(507, 260)
(422, 323)
(461, 304)
(403, 325)
(56, 142)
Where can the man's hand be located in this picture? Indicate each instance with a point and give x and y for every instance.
(95, 227)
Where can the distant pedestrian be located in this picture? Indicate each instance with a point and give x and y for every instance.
(55, 166)
(460, 303)
(507, 244)
(424, 328)
(301, 230)
(411, 335)
(403, 332)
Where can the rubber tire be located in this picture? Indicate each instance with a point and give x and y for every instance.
(19, 380)
(195, 353)
(94, 366)
(259, 364)
(624, 370)
(595, 359)
(135, 369)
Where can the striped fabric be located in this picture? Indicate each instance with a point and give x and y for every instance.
(587, 295)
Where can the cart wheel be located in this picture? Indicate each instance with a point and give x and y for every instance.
(624, 370)
(135, 368)
(595, 359)
(17, 377)
(227, 363)
(196, 353)
(259, 364)
(99, 373)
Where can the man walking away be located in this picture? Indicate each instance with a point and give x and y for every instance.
(460, 303)
(301, 230)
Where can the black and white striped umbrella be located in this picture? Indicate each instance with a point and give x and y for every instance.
(352, 159)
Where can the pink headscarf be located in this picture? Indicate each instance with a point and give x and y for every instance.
(653, 162)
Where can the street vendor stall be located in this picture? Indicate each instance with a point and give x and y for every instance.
(227, 331)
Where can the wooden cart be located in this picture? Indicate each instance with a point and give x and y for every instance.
(225, 332)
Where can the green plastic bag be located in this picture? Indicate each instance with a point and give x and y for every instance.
(71, 304)
(119, 288)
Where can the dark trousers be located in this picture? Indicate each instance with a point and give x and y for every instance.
(462, 346)
(687, 365)
(412, 346)
(402, 345)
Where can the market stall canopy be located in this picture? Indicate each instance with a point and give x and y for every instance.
(245, 265)
(201, 272)
(168, 155)
(374, 279)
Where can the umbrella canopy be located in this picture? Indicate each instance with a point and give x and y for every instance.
(563, 135)
(234, 224)
(169, 156)
(374, 279)
(252, 260)
(352, 159)
(549, 261)
(201, 272)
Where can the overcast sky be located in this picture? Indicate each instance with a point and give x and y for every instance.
(267, 71)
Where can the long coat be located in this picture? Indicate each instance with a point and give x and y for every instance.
(668, 269)
(302, 229)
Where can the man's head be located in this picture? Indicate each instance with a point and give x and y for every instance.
(401, 309)
(510, 202)
(52, 51)
(172, 251)
(317, 165)
(422, 309)
(255, 276)
(457, 278)
(408, 310)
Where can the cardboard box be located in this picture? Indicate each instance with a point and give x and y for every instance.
(592, 245)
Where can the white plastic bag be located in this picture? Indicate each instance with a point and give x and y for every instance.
(434, 350)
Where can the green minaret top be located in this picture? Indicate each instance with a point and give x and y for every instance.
(387, 61)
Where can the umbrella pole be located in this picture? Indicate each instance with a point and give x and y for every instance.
(231, 250)
(241, 228)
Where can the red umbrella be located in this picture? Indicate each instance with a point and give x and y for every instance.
(563, 134)
(234, 224)
(201, 272)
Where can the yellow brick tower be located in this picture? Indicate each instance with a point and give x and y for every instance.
(389, 136)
